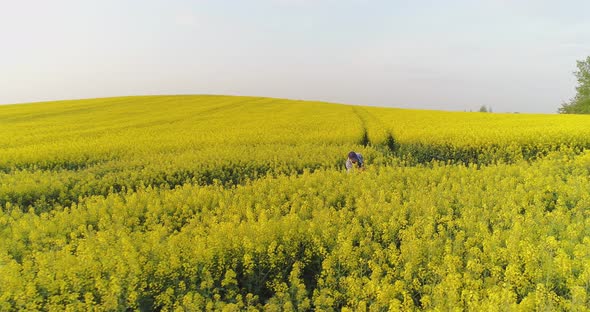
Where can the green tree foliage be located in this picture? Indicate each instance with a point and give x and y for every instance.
(580, 104)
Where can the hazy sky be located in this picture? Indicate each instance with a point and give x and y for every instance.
(450, 55)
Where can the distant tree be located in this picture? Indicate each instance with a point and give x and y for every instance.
(483, 109)
(580, 104)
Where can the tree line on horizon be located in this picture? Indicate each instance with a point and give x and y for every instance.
(580, 104)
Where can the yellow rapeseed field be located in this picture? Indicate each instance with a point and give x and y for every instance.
(221, 203)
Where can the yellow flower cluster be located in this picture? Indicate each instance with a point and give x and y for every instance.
(479, 137)
(216, 203)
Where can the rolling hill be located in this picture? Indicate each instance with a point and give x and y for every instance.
(230, 203)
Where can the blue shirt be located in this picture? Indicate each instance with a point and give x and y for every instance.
(360, 163)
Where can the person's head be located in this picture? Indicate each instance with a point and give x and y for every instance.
(353, 157)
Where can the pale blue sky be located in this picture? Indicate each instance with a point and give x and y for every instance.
(449, 55)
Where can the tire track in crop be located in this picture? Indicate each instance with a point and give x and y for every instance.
(390, 141)
(368, 118)
(365, 136)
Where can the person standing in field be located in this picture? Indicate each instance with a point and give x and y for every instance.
(355, 159)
